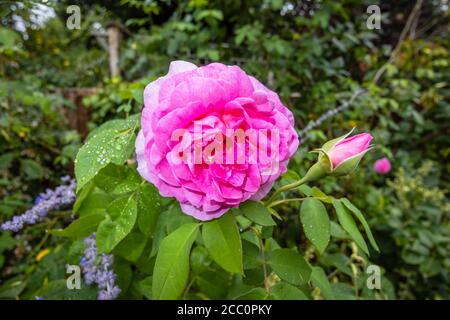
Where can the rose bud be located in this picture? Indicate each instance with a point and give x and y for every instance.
(382, 166)
(340, 156)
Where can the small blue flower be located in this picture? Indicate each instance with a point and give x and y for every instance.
(37, 200)
(99, 270)
(44, 203)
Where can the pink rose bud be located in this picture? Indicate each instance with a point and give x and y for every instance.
(382, 166)
(349, 148)
(340, 156)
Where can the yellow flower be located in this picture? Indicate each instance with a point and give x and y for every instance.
(66, 63)
(352, 124)
(42, 254)
(22, 133)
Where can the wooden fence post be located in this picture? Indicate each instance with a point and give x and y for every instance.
(113, 32)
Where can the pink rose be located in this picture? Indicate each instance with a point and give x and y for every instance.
(187, 111)
(349, 148)
(382, 166)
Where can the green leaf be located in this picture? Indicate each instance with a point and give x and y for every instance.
(320, 280)
(337, 231)
(118, 224)
(349, 225)
(317, 193)
(94, 202)
(57, 290)
(251, 255)
(200, 260)
(6, 160)
(107, 145)
(81, 227)
(223, 241)
(171, 271)
(117, 179)
(160, 231)
(286, 291)
(145, 287)
(138, 95)
(290, 266)
(257, 212)
(82, 195)
(31, 169)
(148, 209)
(177, 218)
(363, 221)
(132, 246)
(253, 294)
(316, 224)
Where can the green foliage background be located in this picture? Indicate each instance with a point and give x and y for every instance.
(315, 54)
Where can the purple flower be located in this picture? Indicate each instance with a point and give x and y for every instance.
(37, 200)
(47, 201)
(98, 269)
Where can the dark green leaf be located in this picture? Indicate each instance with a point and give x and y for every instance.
(320, 280)
(286, 291)
(257, 212)
(290, 266)
(363, 221)
(349, 225)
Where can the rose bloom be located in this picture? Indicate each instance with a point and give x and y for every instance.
(204, 101)
(382, 166)
(349, 148)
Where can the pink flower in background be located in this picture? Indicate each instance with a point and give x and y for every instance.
(349, 148)
(201, 102)
(382, 166)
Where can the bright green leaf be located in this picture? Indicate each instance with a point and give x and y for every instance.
(363, 221)
(148, 209)
(223, 241)
(117, 179)
(349, 225)
(81, 227)
(316, 224)
(171, 270)
(107, 145)
(118, 224)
